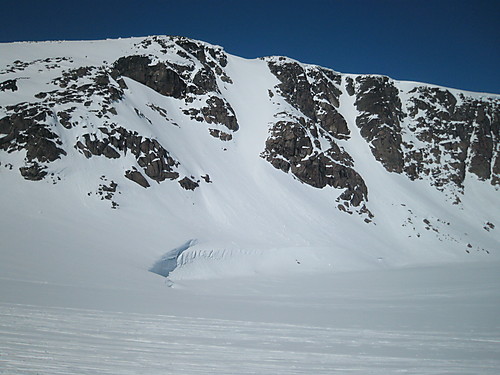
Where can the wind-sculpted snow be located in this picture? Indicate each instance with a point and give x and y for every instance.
(169, 261)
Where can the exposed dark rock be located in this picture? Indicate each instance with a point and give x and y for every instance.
(463, 133)
(111, 188)
(188, 184)
(184, 81)
(484, 139)
(159, 77)
(220, 134)
(194, 113)
(107, 191)
(212, 58)
(39, 146)
(430, 110)
(10, 84)
(296, 147)
(84, 85)
(489, 226)
(290, 149)
(317, 100)
(156, 161)
(33, 172)
(137, 177)
(198, 50)
(220, 112)
(204, 81)
(288, 143)
(294, 86)
(26, 128)
(95, 146)
(217, 111)
(325, 85)
(65, 118)
(150, 154)
(73, 75)
(161, 111)
(377, 100)
(350, 86)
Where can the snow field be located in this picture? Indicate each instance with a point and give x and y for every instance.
(434, 320)
(67, 341)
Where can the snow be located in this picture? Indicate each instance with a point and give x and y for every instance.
(426, 320)
(278, 281)
(169, 261)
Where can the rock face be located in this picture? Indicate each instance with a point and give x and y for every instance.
(137, 177)
(158, 77)
(314, 91)
(306, 141)
(379, 119)
(132, 108)
(10, 84)
(83, 99)
(188, 184)
(435, 134)
(459, 135)
(28, 128)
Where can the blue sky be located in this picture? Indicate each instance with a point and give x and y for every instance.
(450, 43)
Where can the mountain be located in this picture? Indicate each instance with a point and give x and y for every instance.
(302, 221)
(115, 153)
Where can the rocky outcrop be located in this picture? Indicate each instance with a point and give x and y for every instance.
(10, 84)
(313, 91)
(434, 134)
(149, 153)
(85, 85)
(27, 128)
(33, 172)
(137, 177)
(223, 136)
(158, 77)
(484, 140)
(305, 144)
(215, 111)
(290, 149)
(85, 98)
(213, 58)
(219, 112)
(452, 136)
(192, 81)
(188, 184)
(379, 119)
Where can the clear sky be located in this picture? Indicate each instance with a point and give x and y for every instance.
(450, 43)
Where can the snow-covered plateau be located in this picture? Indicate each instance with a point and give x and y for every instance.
(168, 208)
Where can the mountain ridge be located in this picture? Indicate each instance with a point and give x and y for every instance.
(183, 118)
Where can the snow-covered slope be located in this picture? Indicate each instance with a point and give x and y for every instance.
(252, 185)
(114, 153)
